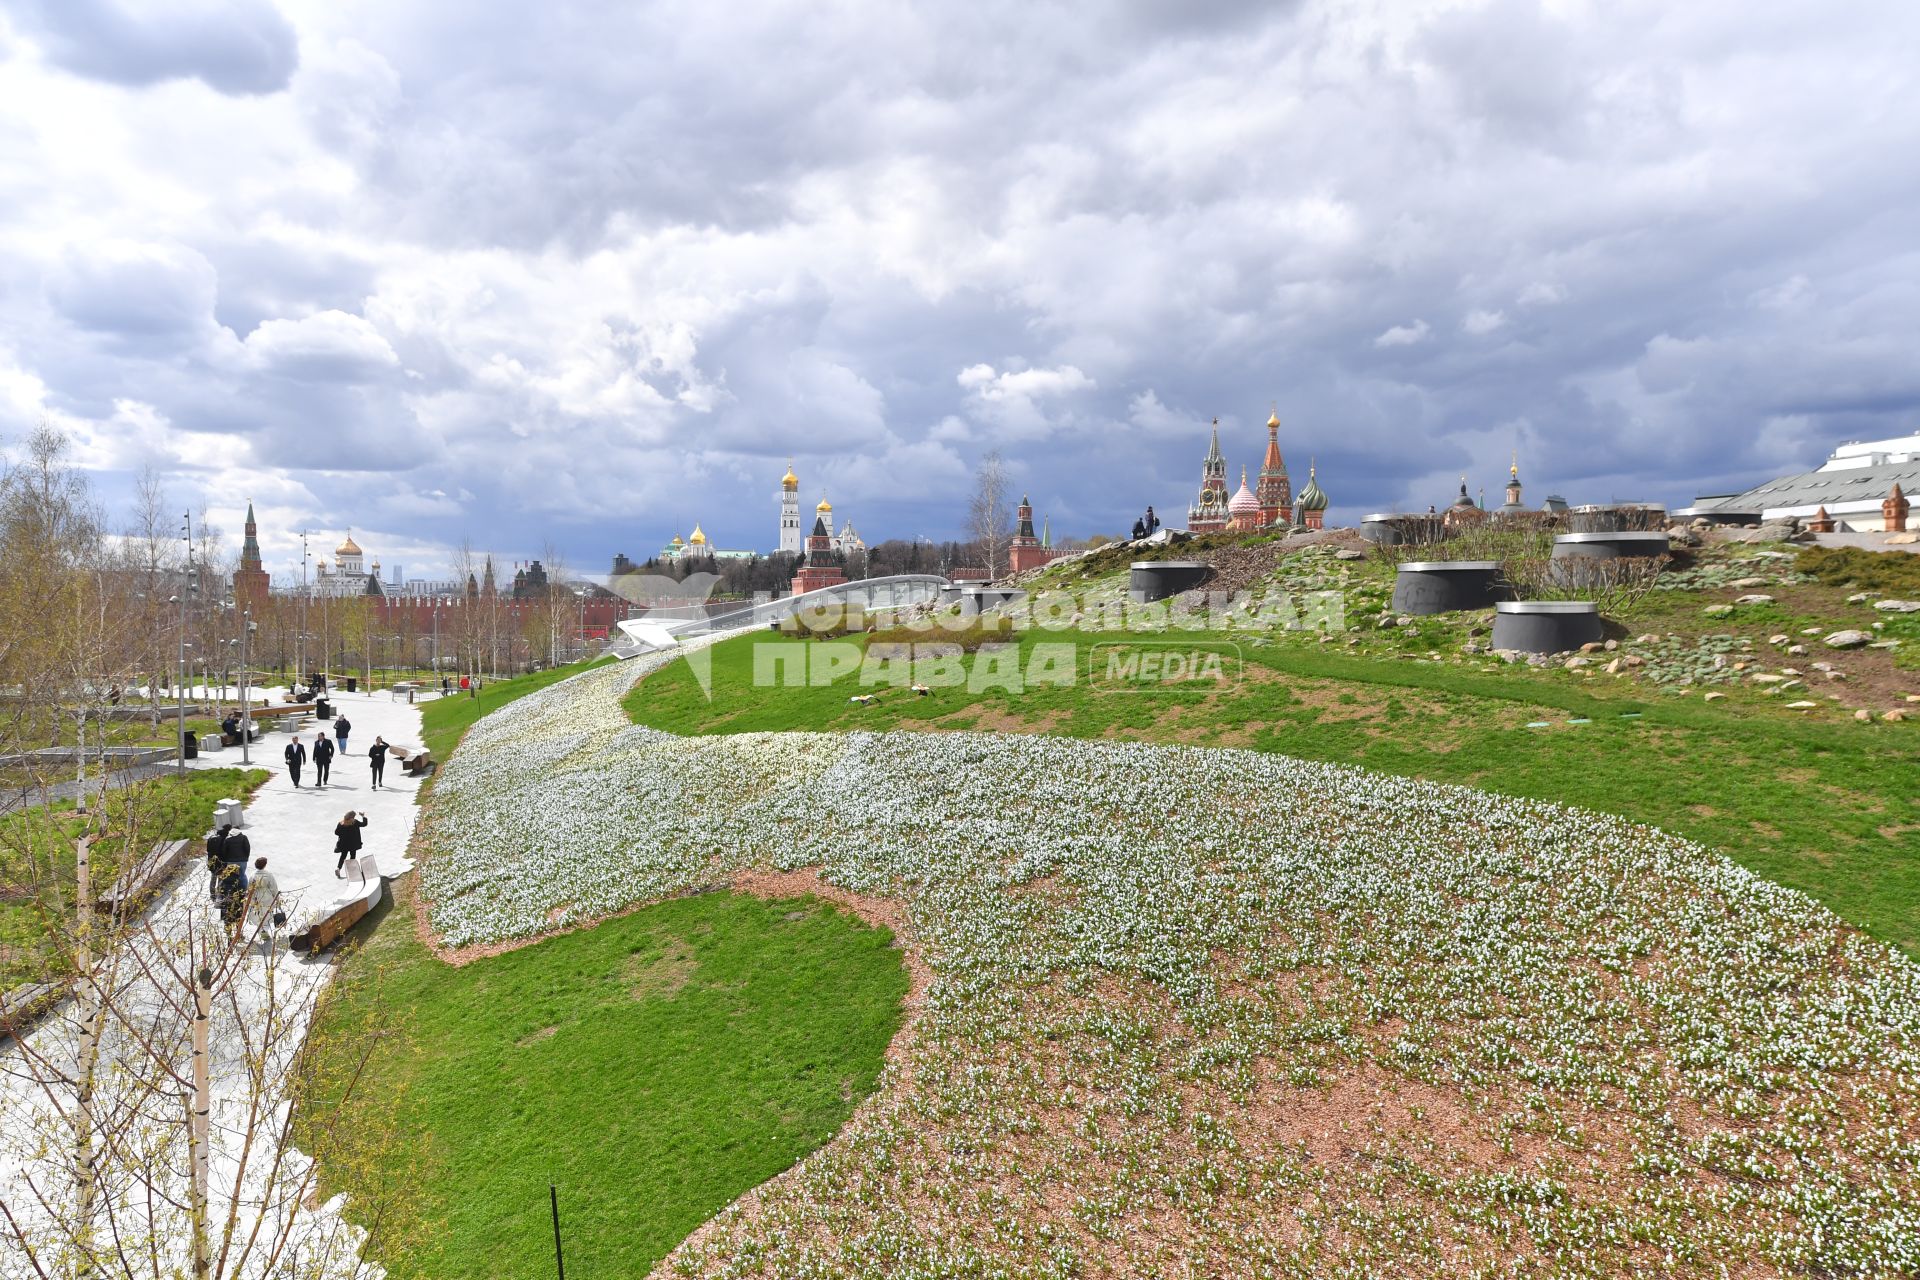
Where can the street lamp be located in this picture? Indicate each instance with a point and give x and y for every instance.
(186, 579)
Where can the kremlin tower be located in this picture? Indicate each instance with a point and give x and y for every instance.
(821, 568)
(1275, 491)
(1026, 551)
(250, 581)
(1209, 513)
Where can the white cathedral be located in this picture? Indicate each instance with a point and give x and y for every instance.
(793, 536)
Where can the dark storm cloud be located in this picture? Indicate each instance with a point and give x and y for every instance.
(234, 46)
(596, 270)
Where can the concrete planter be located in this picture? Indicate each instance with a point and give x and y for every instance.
(1545, 626)
(1381, 529)
(1152, 580)
(1609, 546)
(972, 600)
(1618, 517)
(1445, 586)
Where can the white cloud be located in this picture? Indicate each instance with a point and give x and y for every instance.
(1403, 335)
(328, 345)
(1479, 323)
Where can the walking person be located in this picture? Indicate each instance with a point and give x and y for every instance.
(296, 759)
(322, 760)
(341, 728)
(234, 852)
(264, 912)
(346, 842)
(377, 758)
(216, 864)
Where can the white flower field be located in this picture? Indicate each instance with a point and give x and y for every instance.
(1212, 1012)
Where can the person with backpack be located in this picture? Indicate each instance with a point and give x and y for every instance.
(346, 842)
(296, 756)
(232, 890)
(322, 760)
(377, 759)
(216, 864)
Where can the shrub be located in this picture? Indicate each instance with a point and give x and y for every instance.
(1893, 572)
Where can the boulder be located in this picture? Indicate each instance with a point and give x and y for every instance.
(1576, 662)
(1860, 597)
(1895, 714)
(1713, 695)
(1897, 606)
(1779, 639)
(1848, 639)
(1754, 598)
(1802, 706)
(1744, 584)
(1863, 714)
(1718, 610)
(1348, 553)
(1796, 650)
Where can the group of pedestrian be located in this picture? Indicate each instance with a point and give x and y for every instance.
(249, 902)
(1145, 526)
(325, 749)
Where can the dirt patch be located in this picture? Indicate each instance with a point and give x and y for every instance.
(535, 1037)
(663, 976)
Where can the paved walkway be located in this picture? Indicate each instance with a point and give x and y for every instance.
(293, 827)
(258, 1022)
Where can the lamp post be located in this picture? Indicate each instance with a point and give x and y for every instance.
(180, 703)
(246, 711)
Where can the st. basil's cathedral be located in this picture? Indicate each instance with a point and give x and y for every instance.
(1270, 502)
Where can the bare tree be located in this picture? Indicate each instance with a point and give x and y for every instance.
(989, 518)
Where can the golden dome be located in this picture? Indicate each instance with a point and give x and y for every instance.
(789, 481)
(824, 507)
(698, 539)
(678, 541)
(347, 548)
(1274, 420)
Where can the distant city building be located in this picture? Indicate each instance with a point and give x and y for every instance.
(790, 512)
(697, 546)
(250, 581)
(1855, 487)
(347, 576)
(1269, 501)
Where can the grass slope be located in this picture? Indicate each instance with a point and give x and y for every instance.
(1831, 811)
(37, 850)
(654, 1067)
(443, 720)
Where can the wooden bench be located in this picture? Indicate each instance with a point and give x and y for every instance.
(22, 1006)
(415, 764)
(145, 875)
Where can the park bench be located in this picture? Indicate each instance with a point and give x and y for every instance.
(143, 876)
(330, 928)
(20, 1007)
(415, 764)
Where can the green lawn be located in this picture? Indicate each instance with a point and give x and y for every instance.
(654, 1068)
(443, 720)
(37, 852)
(1828, 806)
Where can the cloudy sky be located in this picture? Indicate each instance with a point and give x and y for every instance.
(584, 273)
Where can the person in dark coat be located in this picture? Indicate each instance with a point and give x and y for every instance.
(377, 758)
(346, 841)
(341, 728)
(322, 760)
(234, 852)
(1139, 530)
(215, 863)
(1153, 522)
(296, 759)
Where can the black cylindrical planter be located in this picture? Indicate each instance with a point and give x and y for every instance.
(1381, 529)
(1153, 580)
(1443, 586)
(1609, 546)
(1545, 626)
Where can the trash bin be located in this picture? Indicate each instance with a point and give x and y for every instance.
(323, 710)
(353, 684)
(189, 745)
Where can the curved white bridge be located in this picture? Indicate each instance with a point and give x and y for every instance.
(658, 630)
